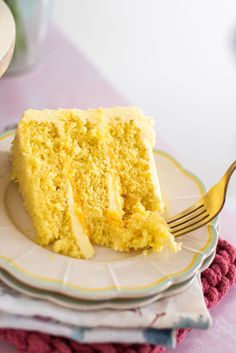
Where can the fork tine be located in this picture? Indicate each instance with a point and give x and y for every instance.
(199, 204)
(190, 222)
(183, 220)
(192, 226)
(203, 211)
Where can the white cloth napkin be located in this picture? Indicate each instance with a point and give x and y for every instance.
(153, 323)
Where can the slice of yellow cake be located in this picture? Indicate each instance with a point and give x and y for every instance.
(89, 177)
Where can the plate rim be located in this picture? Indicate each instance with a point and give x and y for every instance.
(57, 285)
(99, 305)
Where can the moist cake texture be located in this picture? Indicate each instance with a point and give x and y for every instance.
(89, 177)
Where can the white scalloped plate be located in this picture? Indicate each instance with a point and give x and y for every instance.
(7, 41)
(90, 305)
(109, 274)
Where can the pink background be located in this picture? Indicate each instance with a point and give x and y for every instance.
(64, 78)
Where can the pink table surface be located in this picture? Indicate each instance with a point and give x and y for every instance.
(65, 78)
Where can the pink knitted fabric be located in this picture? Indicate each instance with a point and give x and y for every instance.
(216, 281)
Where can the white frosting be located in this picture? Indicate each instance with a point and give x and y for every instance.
(81, 237)
(115, 201)
(154, 174)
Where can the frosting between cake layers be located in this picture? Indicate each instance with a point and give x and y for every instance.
(89, 177)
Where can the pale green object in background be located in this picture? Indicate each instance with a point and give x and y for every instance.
(31, 18)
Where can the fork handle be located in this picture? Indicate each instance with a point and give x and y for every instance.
(230, 170)
(229, 173)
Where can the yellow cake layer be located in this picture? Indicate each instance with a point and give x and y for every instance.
(89, 177)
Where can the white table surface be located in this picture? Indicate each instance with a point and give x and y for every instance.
(175, 59)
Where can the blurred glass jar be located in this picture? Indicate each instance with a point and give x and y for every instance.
(31, 18)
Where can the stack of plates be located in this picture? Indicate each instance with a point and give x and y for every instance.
(110, 279)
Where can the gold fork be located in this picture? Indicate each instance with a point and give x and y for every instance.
(204, 210)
